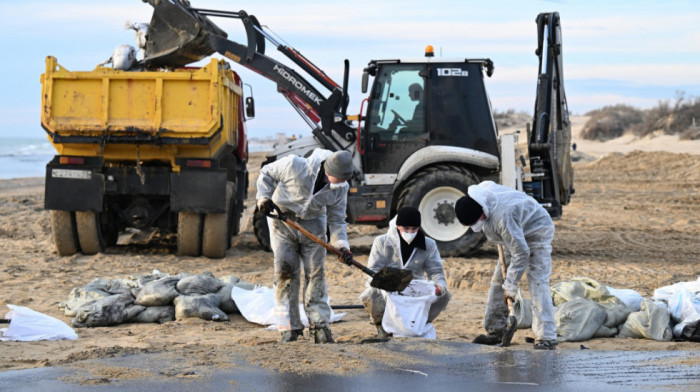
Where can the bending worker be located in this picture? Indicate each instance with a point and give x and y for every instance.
(313, 192)
(525, 230)
(405, 246)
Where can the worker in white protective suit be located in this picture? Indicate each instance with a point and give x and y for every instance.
(405, 246)
(312, 192)
(525, 230)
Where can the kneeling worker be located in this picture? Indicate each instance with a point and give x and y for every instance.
(525, 230)
(405, 246)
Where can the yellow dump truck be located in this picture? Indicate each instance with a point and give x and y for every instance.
(156, 149)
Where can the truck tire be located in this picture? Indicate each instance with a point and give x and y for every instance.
(262, 231)
(65, 237)
(216, 234)
(434, 192)
(189, 233)
(89, 231)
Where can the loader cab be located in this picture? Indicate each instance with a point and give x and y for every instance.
(416, 104)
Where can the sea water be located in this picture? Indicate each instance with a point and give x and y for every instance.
(27, 157)
(24, 157)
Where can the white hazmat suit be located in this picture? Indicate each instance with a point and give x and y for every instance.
(386, 252)
(525, 230)
(290, 182)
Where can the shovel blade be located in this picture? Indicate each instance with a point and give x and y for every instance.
(510, 331)
(391, 279)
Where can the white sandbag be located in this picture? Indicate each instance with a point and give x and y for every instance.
(257, 306)
(630, 297)
(107, 311)
(29, 325)
(522, 308)
(682, 300)
(205, 307)
(651, 322)
(406, 313)
(581, 287)
(579, 319)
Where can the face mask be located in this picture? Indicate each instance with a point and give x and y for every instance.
(476, 227)
(339, 185)
(408, 237)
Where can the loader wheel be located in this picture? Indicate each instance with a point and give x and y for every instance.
(262, 231)
(65, 237)
(89, 232)
(189, 233)
(216, 235)
(434, 192)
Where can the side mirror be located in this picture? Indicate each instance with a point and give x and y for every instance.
(365, 82)
(249, 107)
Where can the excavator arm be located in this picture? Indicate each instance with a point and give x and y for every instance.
(179, 35)
(549, 141)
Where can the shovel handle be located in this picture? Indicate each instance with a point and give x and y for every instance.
(280, 215)
(504, 271)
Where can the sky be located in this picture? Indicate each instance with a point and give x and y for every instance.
(636, 52)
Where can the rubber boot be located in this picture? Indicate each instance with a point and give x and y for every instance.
(381, 333)
(291, 335)
(546, 344)
(321, 335)
(490, 339)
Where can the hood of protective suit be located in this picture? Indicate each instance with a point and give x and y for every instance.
(482, 194)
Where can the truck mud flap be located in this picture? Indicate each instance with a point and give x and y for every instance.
(201, 191)
(73, 188)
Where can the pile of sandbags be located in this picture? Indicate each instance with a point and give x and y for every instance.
(585, 309)
(152, 298)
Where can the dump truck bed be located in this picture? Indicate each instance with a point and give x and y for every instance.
(157, 114)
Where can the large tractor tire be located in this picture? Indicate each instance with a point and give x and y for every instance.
(65, 236)
(189, 233)
(89, 231)
(434, 192)
(216, 233)
(262, 231)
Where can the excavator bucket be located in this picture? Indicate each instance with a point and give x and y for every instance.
(177, 35)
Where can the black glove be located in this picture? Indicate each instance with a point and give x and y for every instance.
(346, 256)
(266, 206)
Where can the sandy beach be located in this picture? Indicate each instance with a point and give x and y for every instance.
(632, 223)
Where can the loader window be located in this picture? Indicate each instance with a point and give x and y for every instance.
(396, 108)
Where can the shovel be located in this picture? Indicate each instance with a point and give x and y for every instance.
(387, 278)
(512, 320)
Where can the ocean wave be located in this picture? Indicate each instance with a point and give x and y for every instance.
(12, 147)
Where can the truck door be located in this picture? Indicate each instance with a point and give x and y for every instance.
(396, 118)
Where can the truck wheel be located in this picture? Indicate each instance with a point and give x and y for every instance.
(189, 233)
(65, 236)
(434, 192)
(216, 235)
(89, 232)
(262, 232)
